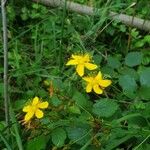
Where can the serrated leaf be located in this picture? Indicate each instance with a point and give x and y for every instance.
(58, 137)
(133, 59)
(55, 101)
(18, 104)
(129, 71)
(74, 109)
(80, 99)
(145, 77)
(109, 70)
(105, 107)
(147, 38)
(127, 83)
(38, 143)
(97, 59)
(113, 62)
(79, 134)
(144, 93)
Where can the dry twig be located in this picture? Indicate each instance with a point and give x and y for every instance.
(83, 9)
(5, 47)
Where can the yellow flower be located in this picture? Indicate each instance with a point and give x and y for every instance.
(81, 62)
(96, 83)
(34, 109)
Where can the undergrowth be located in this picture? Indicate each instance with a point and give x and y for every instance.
(41, 42)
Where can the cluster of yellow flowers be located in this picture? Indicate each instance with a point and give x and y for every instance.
(95, 82)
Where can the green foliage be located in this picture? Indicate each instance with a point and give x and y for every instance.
(40, 42)
(113, 62)
(58, 137)
(38, 143)
(105, 107)
(79, 134)
(133, 59)
(145, 77)
(128, 84)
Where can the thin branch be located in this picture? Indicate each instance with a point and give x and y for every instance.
(83, 9)
(5, 47)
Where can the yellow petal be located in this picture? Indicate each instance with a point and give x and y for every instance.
(28, 116)
(90, 66)
(99, 76)
(76, 56)
(39, 113)
(88, 88)
(43, 105)
(87, 57)
(80, 70)
(105, 83)
(88, 79)
(97, 89)
(72, 62)
(35, 101)
(26, 108)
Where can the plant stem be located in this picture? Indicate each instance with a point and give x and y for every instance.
(5, 48)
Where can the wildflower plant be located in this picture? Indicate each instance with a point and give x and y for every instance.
(86, 111)
(34, 109)
(81, 61)
(97, 83)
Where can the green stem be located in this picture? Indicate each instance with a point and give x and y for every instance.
(5, 142)
(16, 128)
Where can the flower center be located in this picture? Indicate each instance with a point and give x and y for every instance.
(81, 62)
(34, 108)
(94, 82)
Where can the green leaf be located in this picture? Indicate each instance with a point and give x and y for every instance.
(80, 134)
(74, 109)
(147, 38)
(38, 143)
(145, 77)
(113, 62)
(58, 137)
(139, 43)
(146, 111)
(109, 70)
(134, 33)
(129, 71)
(105, 107)
(127, 83)
(80, 99)
(56, 101)
(142, 147)
(138, 121)
(117, 137)
(116, 142)
(2, 125)
(19, 104)
(133, 59)
(123, 28)
(144, 93)
(97, 59)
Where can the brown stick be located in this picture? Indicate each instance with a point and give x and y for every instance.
(5, 48)
(83, 9)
